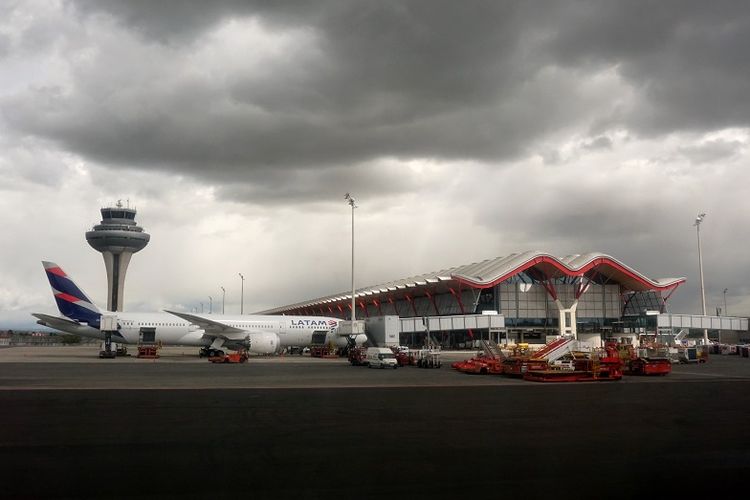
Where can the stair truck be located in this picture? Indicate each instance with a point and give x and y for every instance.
(568, 360)
(489, 361)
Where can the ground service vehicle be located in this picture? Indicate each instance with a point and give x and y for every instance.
(644, 361)
(381, 357)
(403, 356)
(357, 356)
(428, 358)
(489, 361)
(234, 357)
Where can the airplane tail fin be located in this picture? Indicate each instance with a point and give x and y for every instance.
(71, 301)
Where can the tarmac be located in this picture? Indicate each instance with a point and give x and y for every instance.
(75, 426)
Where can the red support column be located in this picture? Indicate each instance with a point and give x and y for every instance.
(411, 301)
(457, 295)
(581, 288)
(665, 299)
(550, 288)
(432, 299)
(394, 304)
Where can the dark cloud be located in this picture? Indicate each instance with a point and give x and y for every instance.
(366, 80)
(325, 185)
(167, 21)
(687, 60)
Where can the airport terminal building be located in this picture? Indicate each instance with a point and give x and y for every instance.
(535, 293)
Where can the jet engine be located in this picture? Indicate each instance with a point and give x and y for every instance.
(262, 343)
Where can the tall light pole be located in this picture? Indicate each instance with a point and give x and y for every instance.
(725, 302)
(242, 295)
(697, 225)
(352, 203)
(210, 305)
(223, 298)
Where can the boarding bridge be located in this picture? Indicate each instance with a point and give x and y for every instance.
(356, 327)
(492, 323)
(678, 321)
(731, 329)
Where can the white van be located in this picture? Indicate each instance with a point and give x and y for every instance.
(381, 357)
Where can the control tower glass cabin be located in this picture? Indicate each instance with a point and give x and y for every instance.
(117, 237)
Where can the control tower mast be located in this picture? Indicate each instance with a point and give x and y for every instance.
(117, 237)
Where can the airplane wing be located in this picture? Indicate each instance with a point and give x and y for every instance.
(212, 328)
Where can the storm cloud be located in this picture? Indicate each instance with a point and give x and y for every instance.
(569, 126)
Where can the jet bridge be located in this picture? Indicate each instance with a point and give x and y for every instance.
(725, 329)
(459, 322)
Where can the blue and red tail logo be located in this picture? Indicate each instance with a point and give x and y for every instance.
(71, 301)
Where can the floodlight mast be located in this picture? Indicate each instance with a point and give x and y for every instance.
(242, 294)
(697, 225)
(353, 204)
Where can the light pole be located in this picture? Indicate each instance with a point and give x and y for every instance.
(210, 305)
(352, 203)
(697, 225)
(726, 313)
(223, 298)
(201, 307)
(242, 295)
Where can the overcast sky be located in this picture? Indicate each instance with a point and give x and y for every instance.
(465, 131)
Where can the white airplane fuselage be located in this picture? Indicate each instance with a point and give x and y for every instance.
(168, 329)
(261, 334)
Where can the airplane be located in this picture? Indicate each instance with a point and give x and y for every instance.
(259, 334)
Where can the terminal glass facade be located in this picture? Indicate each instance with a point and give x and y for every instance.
(527, 305)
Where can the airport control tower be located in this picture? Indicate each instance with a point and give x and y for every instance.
(117, 237)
